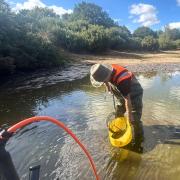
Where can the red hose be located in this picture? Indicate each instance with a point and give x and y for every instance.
(60, 124)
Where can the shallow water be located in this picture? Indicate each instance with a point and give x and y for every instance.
(84, 110)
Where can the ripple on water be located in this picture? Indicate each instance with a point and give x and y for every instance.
(84, 109)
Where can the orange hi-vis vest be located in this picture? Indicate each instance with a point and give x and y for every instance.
(119, 74)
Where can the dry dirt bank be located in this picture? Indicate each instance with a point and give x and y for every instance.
(137, 62)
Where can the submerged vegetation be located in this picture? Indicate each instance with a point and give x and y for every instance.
(32, 39)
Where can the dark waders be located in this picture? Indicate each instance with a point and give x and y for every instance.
(136, 96)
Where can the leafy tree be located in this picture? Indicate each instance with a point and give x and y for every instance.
(158, 33)
(4, 7)
(149, 43)
(31, 20)
(165, 42)
(91, 13)
(78, 25)
(135, 43)
(31, 39)
(119, 37)
(142, 32)
(96, 38)
(172, 34)
(22, 47)
(177, 43)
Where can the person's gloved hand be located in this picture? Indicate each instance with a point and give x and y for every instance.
(4, 135)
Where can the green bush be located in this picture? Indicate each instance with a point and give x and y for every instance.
(165, 43)
(149, 44)
(142, 32)
(91, 13)
(23, 42)
(31, 39)
(135, 43)
(119, 38)
(95, 38)
(177, 43)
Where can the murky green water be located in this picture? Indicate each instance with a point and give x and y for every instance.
(84, 110)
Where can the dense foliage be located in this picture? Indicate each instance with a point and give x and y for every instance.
(31, 39)
(21, 48)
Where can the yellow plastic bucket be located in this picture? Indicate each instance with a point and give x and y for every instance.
(120, 132)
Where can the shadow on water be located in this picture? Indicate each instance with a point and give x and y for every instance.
(161, 134)
(123, 164)
(11, 109)
(127, 162)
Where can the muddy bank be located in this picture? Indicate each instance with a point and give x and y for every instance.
(137, 62)
(44, 78)
(75, 71)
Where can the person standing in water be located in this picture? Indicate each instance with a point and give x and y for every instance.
(127, 90)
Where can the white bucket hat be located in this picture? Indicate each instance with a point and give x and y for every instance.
(100, 73)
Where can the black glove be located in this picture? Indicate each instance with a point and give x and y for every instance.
(4, 135)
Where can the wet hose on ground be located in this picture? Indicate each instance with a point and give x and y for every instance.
(25, 122)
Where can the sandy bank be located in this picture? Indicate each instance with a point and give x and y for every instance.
(137, 62)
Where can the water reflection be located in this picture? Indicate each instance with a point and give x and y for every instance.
(84, 109)
(123, 164)
(175, 93)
